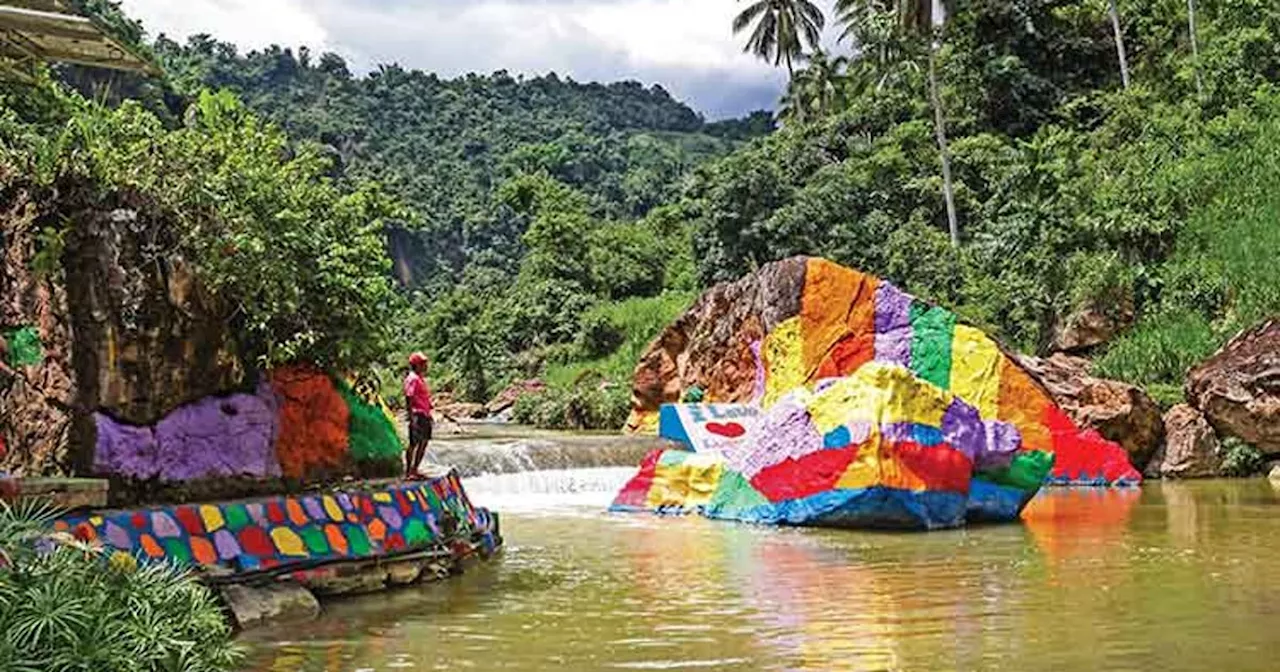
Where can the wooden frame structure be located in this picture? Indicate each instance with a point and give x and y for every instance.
(35, 31)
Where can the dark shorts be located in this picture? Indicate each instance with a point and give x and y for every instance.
(420, 427)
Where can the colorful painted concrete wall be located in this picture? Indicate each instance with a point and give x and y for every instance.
(296, 531)
(841, 320)
(877, 448)
(300, 424)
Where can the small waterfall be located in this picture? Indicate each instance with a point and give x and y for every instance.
(508, 468)
(489, 449)
(548, 489)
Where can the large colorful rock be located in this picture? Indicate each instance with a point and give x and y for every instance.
(811, 319)
(878, 448)
(300, 424)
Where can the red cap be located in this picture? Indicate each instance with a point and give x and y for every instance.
(417, 359)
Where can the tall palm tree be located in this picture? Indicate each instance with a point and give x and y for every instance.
(783, 29)
(890, 32)
(1114, 11)
(816, 90)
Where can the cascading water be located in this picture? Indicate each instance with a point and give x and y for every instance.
(592, 487)
(497, 449)
(520, 469)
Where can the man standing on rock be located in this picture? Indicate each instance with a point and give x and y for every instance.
(417, 396)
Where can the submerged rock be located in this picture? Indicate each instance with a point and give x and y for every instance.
(1238, 388)
(1191, 448)
(250, 605)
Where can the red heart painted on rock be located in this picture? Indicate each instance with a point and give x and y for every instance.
(730, 429)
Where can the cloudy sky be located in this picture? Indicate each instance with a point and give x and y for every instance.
(685, 45)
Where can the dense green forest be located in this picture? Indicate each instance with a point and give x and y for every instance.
(446, 147)
(542, 227)
(513, 208)
(522, 196)
(1077, 182)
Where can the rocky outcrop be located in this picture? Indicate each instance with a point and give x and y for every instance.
(463, 410)
(36, 397)
(231, 436)
(124, 327)
(512, 393)
(1191, 448)
(147, 337)
(1238, 389)
(1118, 411)
(1092, 326)
(251, 605)
(710, 345)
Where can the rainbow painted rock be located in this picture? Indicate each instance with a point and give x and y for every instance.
(300, 423)
(799, 321)
(879, 448)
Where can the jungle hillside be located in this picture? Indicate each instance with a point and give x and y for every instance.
(1022, 162)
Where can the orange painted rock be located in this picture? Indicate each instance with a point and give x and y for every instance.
(313, 422)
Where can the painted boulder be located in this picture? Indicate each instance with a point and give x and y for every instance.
(879, 448)
(799, 321)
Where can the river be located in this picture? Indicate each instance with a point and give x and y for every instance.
(1175, 576)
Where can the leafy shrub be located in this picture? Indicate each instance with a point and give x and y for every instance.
(299, 259)
(64, 606)
(1240, 459)
(598, 336)
(1166, 396)
(586, 406)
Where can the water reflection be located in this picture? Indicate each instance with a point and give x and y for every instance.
(1071, 522)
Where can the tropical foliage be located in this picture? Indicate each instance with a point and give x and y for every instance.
(533, 205)
(298, 260)
(783, 29)
(1072, 188)
(65, 606)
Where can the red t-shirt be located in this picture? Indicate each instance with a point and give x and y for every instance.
(417, 393)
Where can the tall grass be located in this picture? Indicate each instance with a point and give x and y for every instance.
(639, 320)
(1224, 275)
(576, 398)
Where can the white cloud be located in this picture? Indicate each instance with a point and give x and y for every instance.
(249, 24)
(685, 45)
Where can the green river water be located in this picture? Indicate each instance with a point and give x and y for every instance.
(1176, 576)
